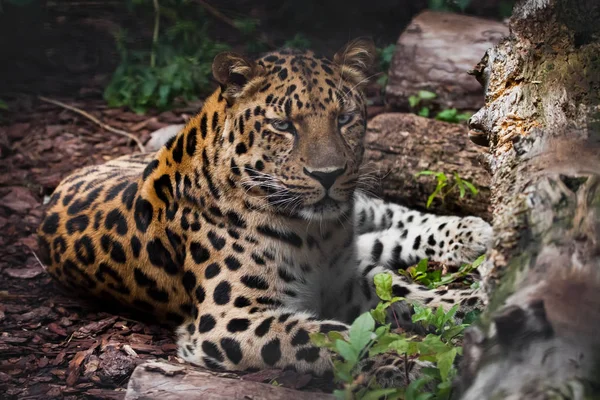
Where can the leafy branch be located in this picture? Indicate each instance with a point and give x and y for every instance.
(365, 339)
(442, 182)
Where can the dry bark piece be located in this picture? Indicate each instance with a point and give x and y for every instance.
(166, 381)
(401, 145)
(435, 52)
(24, 273)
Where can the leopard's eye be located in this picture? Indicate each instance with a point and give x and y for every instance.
(282, 125)
(343, 119)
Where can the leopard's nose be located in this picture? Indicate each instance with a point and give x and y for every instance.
(325, 176)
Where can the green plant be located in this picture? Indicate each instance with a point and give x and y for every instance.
(452, 115)
(299, 41)
(385, 55)
(176, 65)
(442, 182)
(434, 279)
(421, 99)
(366, 340)
(448, 5)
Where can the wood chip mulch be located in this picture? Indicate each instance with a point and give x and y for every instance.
(52, 344)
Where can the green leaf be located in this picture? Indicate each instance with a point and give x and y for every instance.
(448, 115)
(347, 351)
(340, 394)
(361, 331)
(163, 95)
(435, 276)
(148, 87)
(401, 346)
(385, 56)
(381, 331)
(426, 95)
(431, 198)
(334, 335)
(380, 313)
(422, 265)
(471, 317)
(421, 313)
(424, 112)
(376, 394)
(3, 105)
(431, 346)
(382, 80)
(426, 172)
(383, 285)
(478, 261)
(319, 339)
(445, 361)
(413, 101)
(462, 117)
(299, 41)
(449, 316)
(471, 187)
(412, 390)
(246, 25)
(343, 370)
(453, 332)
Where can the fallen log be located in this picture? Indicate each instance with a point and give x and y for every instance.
(398, 146)
(168, 381)
(434, 53)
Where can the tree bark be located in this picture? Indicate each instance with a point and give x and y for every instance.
(541, 119)
(161, 380)
(398, 146)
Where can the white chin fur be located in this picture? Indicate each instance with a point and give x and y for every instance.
(323, 212)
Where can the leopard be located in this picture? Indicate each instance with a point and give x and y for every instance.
(252, 228)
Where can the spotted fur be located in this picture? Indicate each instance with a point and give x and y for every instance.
(246, 228)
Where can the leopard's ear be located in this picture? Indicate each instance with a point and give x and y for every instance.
(234, 72)
(356, 60)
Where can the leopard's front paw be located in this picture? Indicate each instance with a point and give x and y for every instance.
(469, 237)
(390, 370)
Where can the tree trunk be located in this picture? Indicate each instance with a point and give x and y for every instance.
(401, 145)
(542, 121)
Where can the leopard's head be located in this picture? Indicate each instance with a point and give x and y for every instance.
(294, 128)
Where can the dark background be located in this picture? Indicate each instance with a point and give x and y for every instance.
(59, 47)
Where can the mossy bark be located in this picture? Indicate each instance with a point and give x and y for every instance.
(542, 121)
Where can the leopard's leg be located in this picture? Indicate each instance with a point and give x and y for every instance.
(468, 299)
(275, 338)
(372, 214)
(398, 237)
(414, 236)
(406, 236)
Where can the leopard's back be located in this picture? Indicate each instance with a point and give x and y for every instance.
(91, 242)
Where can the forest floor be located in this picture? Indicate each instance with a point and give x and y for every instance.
(52, 344)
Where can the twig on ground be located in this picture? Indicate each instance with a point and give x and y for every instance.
(38, 259)
(95, 120)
